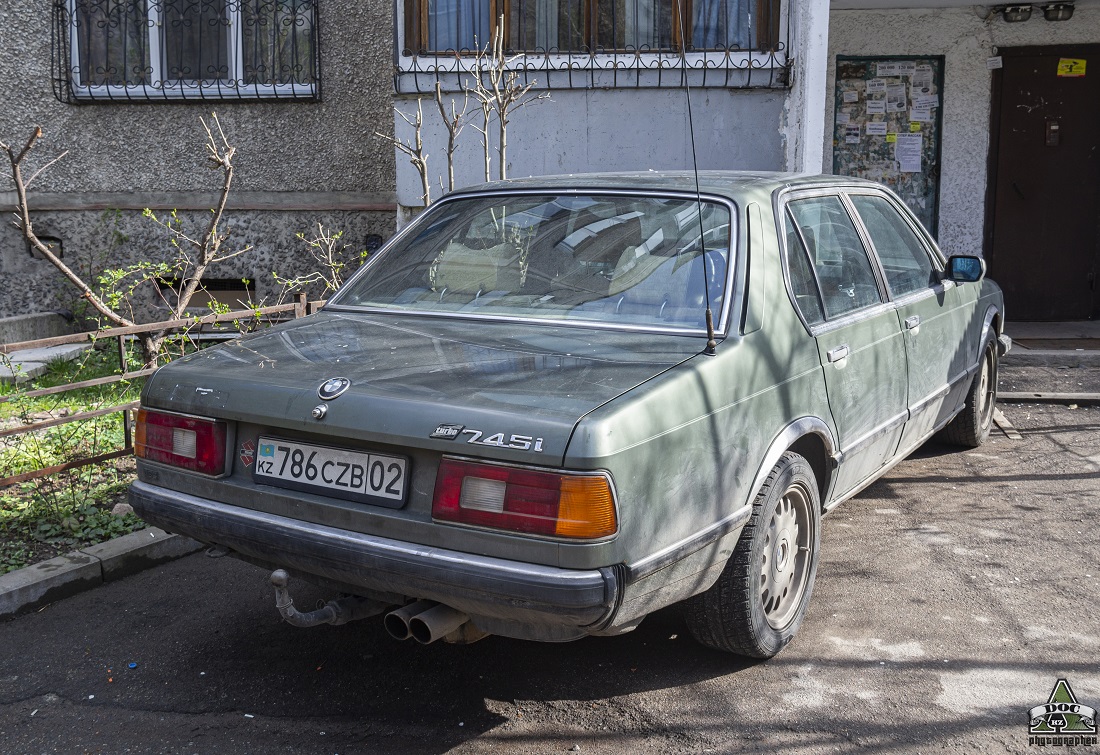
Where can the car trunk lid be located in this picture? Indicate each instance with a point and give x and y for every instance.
(512, 391)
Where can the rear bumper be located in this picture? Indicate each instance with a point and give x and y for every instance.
(559, 601)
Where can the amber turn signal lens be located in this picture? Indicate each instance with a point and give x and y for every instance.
(585, 508)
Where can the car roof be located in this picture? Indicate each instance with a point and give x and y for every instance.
(728, 183)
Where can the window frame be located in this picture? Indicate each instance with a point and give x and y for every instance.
(803, 252)
(67, 52)
(932, 253)
(781, 200)
(415, 18)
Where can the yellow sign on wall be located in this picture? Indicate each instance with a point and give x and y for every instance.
(1072, 67)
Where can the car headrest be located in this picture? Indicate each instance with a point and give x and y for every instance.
(463, 270)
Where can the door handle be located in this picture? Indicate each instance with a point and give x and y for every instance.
(835, 355)
(912, 322)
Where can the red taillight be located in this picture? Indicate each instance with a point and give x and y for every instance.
(193, 443)
(523, 500)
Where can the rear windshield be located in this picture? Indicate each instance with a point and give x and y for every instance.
(617, 260)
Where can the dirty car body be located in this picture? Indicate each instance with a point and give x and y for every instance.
(512, 411)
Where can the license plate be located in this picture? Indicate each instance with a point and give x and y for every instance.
(353, 475)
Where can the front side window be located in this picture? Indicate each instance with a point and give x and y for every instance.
(646, 262)
(564, 26)
(843, 269)
(905, 261)
(180, 49)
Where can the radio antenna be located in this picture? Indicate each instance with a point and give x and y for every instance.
(712, 344)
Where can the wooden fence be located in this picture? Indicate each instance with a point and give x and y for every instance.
(193, 326)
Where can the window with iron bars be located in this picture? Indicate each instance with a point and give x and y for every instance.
(447, 27)
(185, 49)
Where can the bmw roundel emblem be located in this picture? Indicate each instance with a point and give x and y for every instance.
(333, 387)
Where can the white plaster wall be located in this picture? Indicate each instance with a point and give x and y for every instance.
(583, 131)
(967, 40)
(803, 129)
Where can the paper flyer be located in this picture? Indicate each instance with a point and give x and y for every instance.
(922, 77)
(907, 151)
(896, 98)
(896, 68)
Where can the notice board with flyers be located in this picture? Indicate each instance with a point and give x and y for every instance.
(888, 124)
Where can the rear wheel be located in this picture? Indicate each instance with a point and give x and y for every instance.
(971, 426)
(757, 604)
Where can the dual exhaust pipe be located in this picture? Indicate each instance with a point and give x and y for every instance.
(425, 620)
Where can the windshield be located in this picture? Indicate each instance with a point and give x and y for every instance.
(619, 260)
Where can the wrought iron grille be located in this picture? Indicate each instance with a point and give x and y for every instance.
(144, 50)
(569, 44)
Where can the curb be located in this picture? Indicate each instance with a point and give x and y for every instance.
(61, 577)
(1019, 357)
(1024, 397)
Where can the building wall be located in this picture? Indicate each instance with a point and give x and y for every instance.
(585, 131)
(966, 39)
(297, 162)
(604, 128)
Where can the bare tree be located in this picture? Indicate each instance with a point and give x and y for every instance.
(194, 254)
(496, 89)
(23, 223)
(414, 147)
(502, 95)
(454, 124)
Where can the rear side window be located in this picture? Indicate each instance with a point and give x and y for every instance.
(803, 284)
(904, 259)
(843, 269)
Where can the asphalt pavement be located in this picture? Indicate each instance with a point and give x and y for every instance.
(950, 598)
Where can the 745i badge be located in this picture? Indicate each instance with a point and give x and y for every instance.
(498, 440)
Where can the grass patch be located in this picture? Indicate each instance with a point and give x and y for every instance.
(43, 518)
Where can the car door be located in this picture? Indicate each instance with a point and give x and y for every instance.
(859, 339)
(933, 313)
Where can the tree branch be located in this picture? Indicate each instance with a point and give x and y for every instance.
(25, 226)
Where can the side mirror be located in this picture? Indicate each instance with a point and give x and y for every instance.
(965, 269)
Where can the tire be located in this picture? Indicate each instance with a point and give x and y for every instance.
(758, 603)
(971, 426)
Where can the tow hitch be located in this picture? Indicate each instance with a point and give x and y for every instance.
(336, 612)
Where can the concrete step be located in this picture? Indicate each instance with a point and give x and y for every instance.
(21, 366)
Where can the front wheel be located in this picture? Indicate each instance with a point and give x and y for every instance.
(971, 426)
(759, 601)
